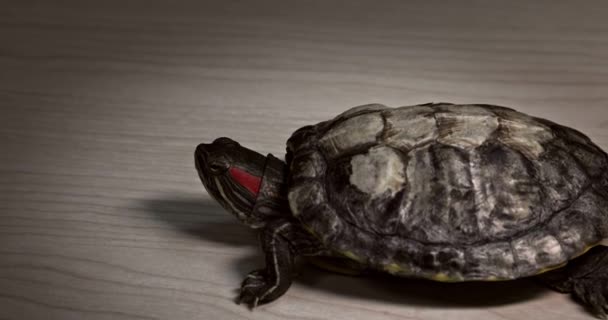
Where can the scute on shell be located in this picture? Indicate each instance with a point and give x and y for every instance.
(352, 133)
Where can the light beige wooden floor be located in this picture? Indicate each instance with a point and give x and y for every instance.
(102, 103)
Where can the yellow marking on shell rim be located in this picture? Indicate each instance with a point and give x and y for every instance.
(547, 269)
(587, 248)
(494, 279)
(352, 255)
(561, 265)
(394, 268)
(441, 277)
(444, 277)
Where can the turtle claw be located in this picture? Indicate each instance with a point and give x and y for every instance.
(265, 285)
(254, 289)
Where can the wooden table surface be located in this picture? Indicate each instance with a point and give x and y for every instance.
(102, 104)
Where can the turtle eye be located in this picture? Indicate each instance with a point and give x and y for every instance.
(218, 167)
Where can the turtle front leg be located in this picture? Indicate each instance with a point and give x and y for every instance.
(281, 241)
(586, 277)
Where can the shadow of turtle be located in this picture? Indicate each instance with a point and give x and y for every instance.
(203, 218)
(207, 220)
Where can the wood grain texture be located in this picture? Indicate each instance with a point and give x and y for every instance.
(102, 104)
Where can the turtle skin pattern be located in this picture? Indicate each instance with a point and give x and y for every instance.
(449, 192)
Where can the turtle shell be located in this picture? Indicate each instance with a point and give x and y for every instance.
(449, 192)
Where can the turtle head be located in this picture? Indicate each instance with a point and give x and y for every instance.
(232, 175)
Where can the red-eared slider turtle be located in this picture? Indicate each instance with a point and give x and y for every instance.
(438, 191)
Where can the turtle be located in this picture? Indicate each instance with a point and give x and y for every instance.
(440, 191)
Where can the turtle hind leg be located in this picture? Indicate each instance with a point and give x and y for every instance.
(586, 277)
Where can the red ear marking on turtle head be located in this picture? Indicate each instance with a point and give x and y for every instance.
(246, 179)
